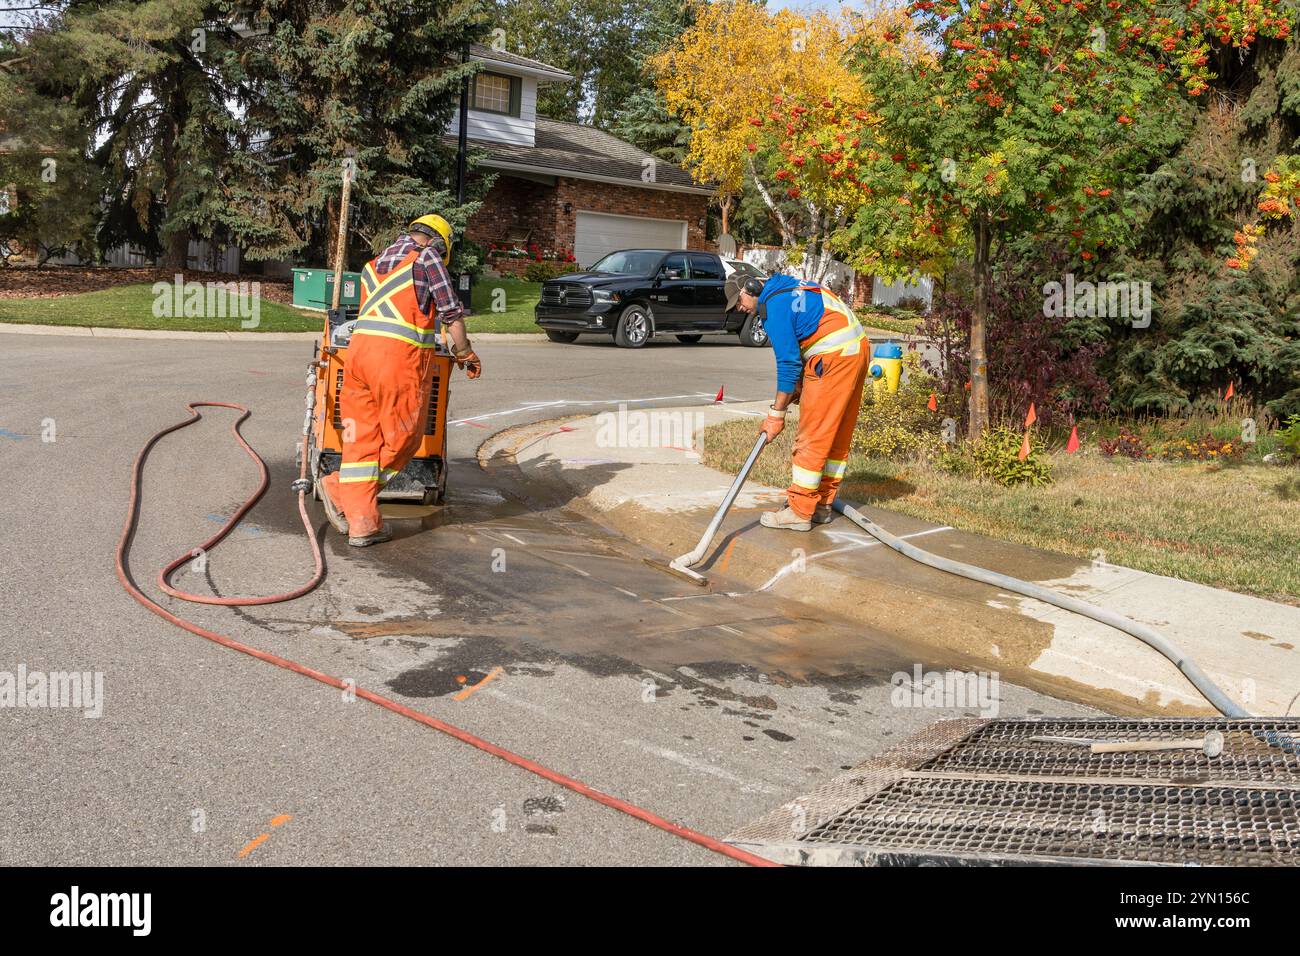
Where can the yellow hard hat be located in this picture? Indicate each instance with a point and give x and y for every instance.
(434, 225)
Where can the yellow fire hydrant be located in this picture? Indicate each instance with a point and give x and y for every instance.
(886, 368)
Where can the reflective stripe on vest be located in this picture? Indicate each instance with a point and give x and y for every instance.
(845, 341)
(391, 308)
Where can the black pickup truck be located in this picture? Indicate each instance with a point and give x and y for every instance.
(636, 294)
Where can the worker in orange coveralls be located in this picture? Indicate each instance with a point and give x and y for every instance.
(388, 378)
(821, 362)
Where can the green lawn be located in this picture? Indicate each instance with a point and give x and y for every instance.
(503, 305)
(132, 307)
(1233, 526)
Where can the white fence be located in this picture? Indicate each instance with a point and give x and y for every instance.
(843, 279)
(839, 276)
(891, 293)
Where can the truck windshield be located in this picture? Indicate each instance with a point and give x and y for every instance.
(629, 262)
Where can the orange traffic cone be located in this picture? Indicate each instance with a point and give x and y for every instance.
(718, 398)
(1073, 444)
(933, 403)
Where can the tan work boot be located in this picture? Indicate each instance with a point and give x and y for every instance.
(824, 514)
(785, 518)
(332, 512)
(385, 533)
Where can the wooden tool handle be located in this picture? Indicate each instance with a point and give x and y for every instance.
(1138, 746)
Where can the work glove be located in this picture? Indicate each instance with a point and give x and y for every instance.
(773, 424)
(469, 361)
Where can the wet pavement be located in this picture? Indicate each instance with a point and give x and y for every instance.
(506, 613)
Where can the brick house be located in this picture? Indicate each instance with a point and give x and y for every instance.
(566, 187)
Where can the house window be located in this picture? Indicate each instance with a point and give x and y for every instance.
(496, 93)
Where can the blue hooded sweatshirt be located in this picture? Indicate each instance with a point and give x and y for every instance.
(789, 316)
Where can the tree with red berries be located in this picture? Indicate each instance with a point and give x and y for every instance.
(1032, 119)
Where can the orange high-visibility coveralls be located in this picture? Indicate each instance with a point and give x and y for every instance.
(384, 402)
(835, 361)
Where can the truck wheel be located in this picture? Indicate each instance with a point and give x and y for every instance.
(633, 328)
(565, 337)
(689, 339)
(752, 333)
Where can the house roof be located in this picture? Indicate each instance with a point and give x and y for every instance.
(584, 152)
(543, 71)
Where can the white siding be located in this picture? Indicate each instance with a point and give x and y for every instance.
(520, 130)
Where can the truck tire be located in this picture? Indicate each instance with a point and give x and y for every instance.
(633, 329)
(752, 333)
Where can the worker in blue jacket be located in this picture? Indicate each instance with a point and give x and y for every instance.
(821, 363)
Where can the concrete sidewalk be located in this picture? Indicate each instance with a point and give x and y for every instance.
(663, 497)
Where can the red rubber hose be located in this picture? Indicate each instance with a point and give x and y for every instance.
(124, 575)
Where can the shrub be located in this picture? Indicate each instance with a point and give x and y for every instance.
(899, 426)
(1205, 448)
(1288, 438)
(544, 271)
(1051, 361)
(1126, 445)
(997, 457)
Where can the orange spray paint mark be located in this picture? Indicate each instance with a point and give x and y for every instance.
(469, 690)
(261, 838)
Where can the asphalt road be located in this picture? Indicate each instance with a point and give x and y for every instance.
(505, 613)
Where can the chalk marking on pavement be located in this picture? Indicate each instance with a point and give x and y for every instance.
(729, 630)
(461, 695)
(588, 554)
(856, 545)
(737, 411)
(697, 765)
(630, 594)
(514, 539)
(672, 610)
(567, 403)
(585, 574)
(571, 719)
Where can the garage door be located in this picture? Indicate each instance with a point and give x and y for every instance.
(600, 233)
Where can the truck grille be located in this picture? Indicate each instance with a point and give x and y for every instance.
(566, 294)
(974, 791)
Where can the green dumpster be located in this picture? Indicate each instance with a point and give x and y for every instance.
(314, 289)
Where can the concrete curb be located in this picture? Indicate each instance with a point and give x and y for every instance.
(114, 333)
(663, 498)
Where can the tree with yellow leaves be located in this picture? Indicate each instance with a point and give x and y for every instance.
(723, 78)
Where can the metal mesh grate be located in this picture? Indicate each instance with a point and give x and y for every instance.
(1005, 747)
(978, 791)
(1114, 822)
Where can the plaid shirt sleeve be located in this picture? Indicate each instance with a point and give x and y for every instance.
(433, 288)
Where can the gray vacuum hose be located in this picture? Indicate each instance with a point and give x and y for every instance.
(1209, 690)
